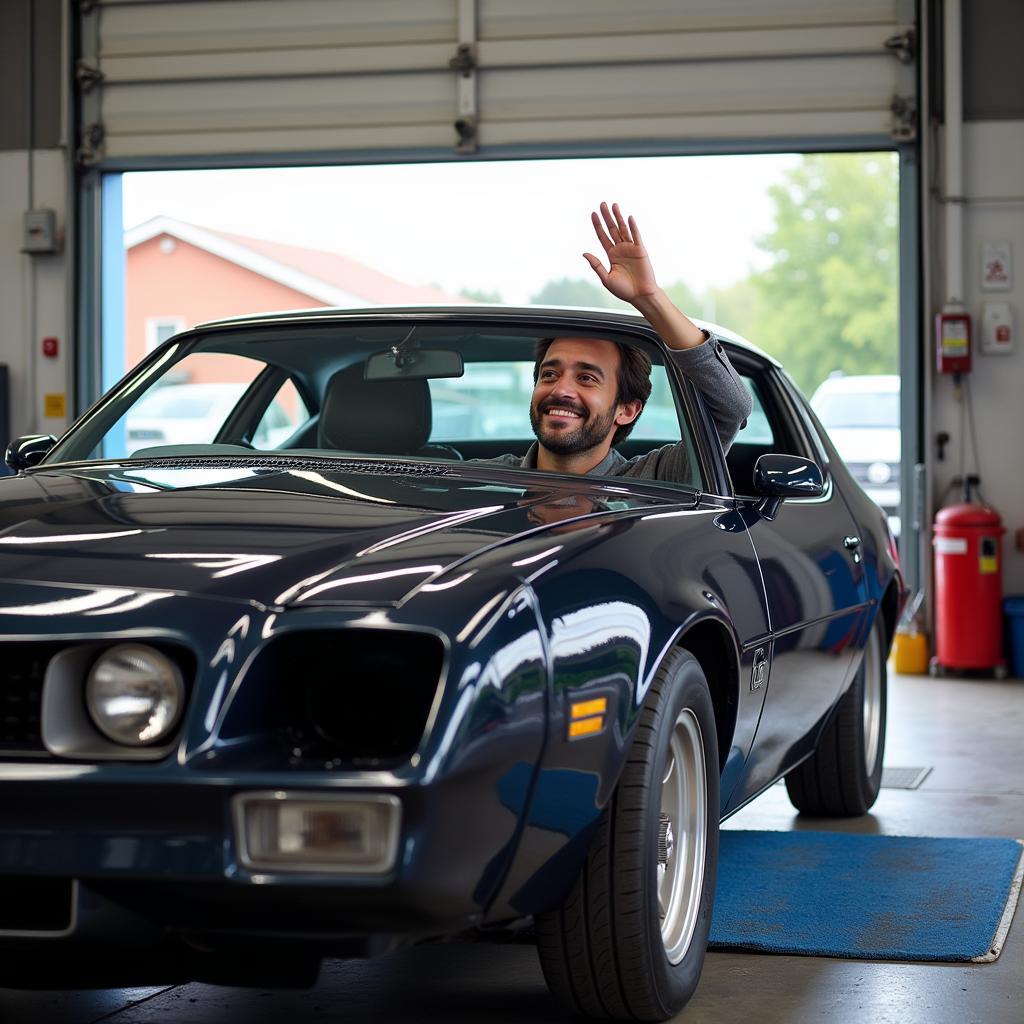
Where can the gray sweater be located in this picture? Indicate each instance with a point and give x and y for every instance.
(724, 394)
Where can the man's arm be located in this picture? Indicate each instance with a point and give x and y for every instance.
(698, 353)
(727, 399)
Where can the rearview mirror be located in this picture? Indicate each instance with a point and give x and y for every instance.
(24, 452)
(413, 364)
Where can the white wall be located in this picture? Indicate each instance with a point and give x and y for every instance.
(33, 283)
(994, 211)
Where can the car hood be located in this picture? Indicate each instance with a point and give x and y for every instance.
(867, 444)
(277, 536)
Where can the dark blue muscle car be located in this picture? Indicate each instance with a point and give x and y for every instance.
(297, 676)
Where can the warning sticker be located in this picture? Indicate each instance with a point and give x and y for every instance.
(954, 338)
(988, 556)
(54, 406)
(951, 545)
(996, 266)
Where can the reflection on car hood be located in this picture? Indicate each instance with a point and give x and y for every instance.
(275, 536)
(866, 444)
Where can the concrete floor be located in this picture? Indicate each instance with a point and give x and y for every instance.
(970, 732)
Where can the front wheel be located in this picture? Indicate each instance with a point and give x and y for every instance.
(842, 777)
(628, 943)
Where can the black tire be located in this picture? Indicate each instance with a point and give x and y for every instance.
(603, 952)
(842, 777)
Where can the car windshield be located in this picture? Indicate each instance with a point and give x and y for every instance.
(859, 409)
(374, 388)
(178, 402)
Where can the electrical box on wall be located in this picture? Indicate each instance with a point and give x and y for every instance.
(40, 231)
(996, 328)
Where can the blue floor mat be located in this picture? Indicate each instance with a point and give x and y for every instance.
(864, 897)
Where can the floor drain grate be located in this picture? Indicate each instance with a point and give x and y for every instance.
(903, 778)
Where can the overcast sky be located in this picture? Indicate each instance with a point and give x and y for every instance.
(504, 226)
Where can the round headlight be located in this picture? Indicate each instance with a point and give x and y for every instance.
(135, 695)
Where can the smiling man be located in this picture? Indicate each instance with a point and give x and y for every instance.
(589, 392)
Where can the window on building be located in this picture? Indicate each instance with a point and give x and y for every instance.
(160, 328)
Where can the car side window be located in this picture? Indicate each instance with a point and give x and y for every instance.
(766, 431)
(285, 414)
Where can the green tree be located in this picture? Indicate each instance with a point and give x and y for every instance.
(829, 300)
(481, 295)
(568, 291)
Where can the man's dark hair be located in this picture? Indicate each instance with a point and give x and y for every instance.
(633, 384)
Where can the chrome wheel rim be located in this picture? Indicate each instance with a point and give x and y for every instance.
(872, 711)
(682, 836)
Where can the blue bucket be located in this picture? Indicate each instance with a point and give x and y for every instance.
(1014, 609)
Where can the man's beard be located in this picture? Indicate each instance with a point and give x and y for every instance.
(588, 435)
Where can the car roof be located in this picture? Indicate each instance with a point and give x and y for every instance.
(579, 316)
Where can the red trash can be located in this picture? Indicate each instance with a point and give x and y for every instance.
(968, 589)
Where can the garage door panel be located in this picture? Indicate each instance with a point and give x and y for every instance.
(357, 143)
(689, 46)
(293, 63)
(138, 27)
(355, 101)
(255, 76)
(744, 131)
(728, 87)
(539, 18)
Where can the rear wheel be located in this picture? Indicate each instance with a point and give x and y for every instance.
(628, 943)
(842, 777)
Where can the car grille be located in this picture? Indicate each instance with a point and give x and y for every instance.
(21, 693)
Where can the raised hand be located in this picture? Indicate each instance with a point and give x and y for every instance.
(630, 276)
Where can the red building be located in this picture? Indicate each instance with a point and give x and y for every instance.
(180, 274)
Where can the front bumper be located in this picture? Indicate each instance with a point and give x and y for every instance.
(167, 856)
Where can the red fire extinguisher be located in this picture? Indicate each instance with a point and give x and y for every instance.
(968, 589)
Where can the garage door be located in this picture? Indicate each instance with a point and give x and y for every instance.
(236, 81)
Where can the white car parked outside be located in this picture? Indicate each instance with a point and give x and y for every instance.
(862, 416)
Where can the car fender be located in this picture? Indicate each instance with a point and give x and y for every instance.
(603, 658)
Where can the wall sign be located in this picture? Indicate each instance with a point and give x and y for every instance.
(996, 267)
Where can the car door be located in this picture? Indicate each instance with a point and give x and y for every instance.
(813, 579)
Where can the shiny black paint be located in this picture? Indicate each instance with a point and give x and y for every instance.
(223, 557)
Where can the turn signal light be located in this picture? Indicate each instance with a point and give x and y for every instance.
(587, 717)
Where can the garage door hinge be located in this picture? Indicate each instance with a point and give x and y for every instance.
(90, 151)
(904, 118)
(87, 75)
(464, 59)
(903, 45)
(465, 128)
(464, 62)
(465, 65)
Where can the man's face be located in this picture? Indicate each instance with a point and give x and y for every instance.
(574, 407)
